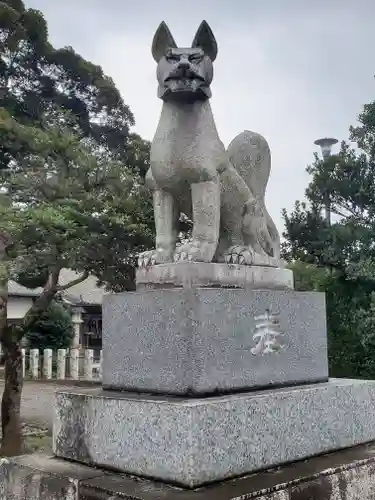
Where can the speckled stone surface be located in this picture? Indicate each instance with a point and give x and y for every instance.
(195, 441)
(40, 477)
(223, 192)
(347, 474)
(203, 340)
(344, 475)
(203, 274)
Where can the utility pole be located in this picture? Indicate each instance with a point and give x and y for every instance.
(326, 147)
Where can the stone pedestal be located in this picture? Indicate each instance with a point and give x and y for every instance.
(196, 441)
(206, 379)
(202, 274)
(200, 341)
(346, 474)
(199, 329)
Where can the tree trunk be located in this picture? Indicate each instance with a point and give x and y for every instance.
(11, 402)
(11, 341)
(41, 303)
(11, 443)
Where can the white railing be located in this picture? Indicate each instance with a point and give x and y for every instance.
(63, 364)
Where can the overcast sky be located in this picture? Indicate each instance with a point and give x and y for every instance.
(292, 70)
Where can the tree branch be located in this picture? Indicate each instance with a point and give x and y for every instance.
(336, 211)
(84, 277)
(42, 302)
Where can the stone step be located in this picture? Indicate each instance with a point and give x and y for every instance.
(197, 441)
(346, 474)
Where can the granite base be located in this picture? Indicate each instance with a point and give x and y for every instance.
(202, 341)
(203, 274)
(347, 474)
(41, 477)
(197, 441)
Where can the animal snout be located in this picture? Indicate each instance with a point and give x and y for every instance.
(183, 65)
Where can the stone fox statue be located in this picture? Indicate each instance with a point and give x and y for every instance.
(192, 173)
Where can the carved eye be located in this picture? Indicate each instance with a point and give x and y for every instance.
(195, 58)
(173, 58)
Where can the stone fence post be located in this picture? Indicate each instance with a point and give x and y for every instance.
(89, 358)
(34, 363)
(61, 364)
(47, 364)
(74, 363)
(23, 363)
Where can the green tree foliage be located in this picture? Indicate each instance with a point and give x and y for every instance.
(351, 190)
(68, 207)
(347, 306)
(345, 248)
(350, 308)
(308, 276)
(38, 82)
(53, 329)
(71, 181)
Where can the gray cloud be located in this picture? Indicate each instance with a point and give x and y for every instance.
(291, 70)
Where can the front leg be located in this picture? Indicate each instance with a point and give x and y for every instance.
(166, 225)
(206, 223)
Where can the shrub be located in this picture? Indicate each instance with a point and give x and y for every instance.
(53, 330)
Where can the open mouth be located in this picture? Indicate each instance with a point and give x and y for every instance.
(183, 78)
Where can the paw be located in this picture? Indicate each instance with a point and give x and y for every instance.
(194, 251)
(152, 257)
(246, 256)
(239, 255)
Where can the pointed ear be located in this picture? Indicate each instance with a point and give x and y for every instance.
(205, 39)
(163, 40)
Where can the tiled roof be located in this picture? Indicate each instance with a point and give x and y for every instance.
(86, 292)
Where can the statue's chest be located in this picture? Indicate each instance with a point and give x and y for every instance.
(184, 153)
(178, 144)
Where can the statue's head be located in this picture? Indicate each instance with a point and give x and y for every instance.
(184, 74)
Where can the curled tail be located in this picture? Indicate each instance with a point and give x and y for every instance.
(250, 154)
